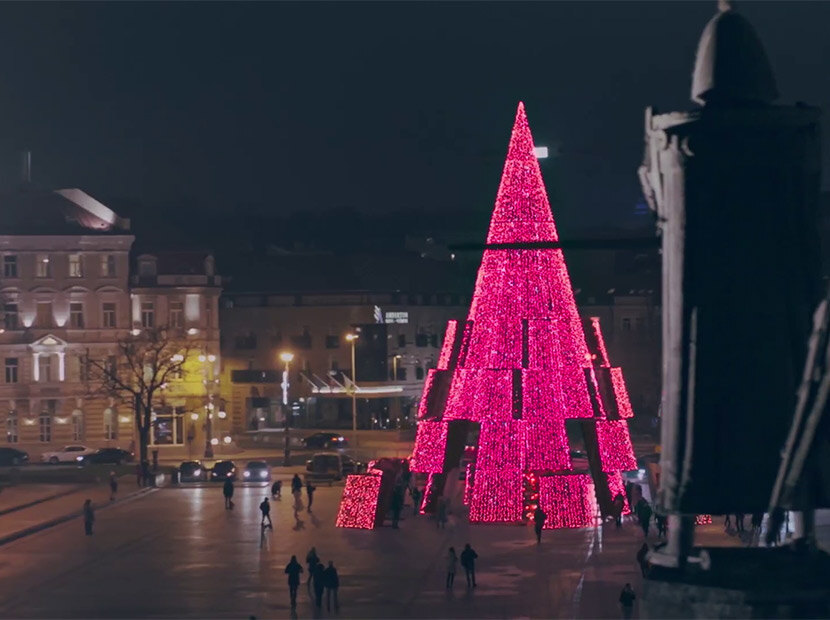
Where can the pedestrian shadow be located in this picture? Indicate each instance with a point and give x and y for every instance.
(314, 520)
(299, 524)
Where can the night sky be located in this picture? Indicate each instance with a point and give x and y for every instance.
(276, 108)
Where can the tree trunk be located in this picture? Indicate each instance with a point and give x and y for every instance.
(142, 423)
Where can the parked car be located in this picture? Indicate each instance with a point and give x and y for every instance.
(191, 471)
(223, 470)
(67, 454)
(256, 471)
(13, 456)
(333, 464)
(325, 440)
(114, 456)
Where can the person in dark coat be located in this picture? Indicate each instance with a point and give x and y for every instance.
(468, 561)
(89, 517)
(227, 491)
(296, 484)
(265, 509)
(293, 570)
(312, 559)
(415, 494)
(627, 597)
(644, 514)
(619, 505)
(276, 489)
(641, 559)
(397, 506)
(332, 583)
(539, 518)
(319, 584)
(452, 563)
(661, 521)
(309, 491)
(113, 485)
(739, 522)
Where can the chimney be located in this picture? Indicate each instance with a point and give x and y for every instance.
(26, 168)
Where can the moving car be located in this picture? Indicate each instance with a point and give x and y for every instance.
(334, 465)
(113, 456)
(13, 456)
(325, 440)
(191, 471)
(67, 454)
(256, 471)
(223, 470)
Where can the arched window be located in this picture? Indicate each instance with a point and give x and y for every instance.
(110, 424)
(77, 425)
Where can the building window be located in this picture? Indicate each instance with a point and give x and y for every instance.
(335, 365)
(421, 340)
(433, 340)
(148, 314)
(640, 324)
(83, 368)
(401, 373)
(45, 421)
(43, 317)
(401, 341)
(419, 372)
(44, 368)
(10, 266)
(147, 267)
(110, 424)
(108, 314)
(11, 370)
(75, 266)
(43, 267)
(626, 325)
(77, 425)
(108, 266)
(176, 315)
(168, 428)
(332, 342)
(111, 366)
(12, 435)
(245, 341)
(76, 315)
(10, 316)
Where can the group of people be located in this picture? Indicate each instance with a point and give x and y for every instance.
(276, 493)
(468, 562)
(321, 579)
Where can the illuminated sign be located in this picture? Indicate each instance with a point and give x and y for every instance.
(397, 317)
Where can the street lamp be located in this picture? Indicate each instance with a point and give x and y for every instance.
(352, 338)
(207, 365)
(395, 367)
(286, 357)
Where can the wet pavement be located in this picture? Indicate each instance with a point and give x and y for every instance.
(178, 553)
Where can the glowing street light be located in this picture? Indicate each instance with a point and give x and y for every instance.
(395, 367)
(287, 357)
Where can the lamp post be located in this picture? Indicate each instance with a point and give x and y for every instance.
(395, 367)
(207, 365)
(286, 357)
(352, 338)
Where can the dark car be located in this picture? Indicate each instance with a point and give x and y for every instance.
(325, 440)
(110, 456)
(256, 471)
(334, 465)
(13, 456)
(191, 471)
(223, 470)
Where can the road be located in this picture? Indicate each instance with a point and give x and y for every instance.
(178, 553)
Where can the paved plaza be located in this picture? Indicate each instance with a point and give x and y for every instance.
(177, 552)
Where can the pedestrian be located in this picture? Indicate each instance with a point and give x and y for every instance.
(539, 518)
(319, 584)
(296, 484)
(139, 475)
(452, 562)
(265, 509)
(661, 521)
(641, 559)
(397, 506)
(113, 485)
(309, 491)
(644, 514)
(739, 521)
(227, 491)
(89, 517)
(332, 583)
(312, 560)
(441, 513)
(468, 561)
(757, 520)
(293, 570)
(415, 494)
(627, 597)
(619, 504)
(276, 489)
(727, 522)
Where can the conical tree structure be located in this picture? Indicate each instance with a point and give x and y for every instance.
(519, 367)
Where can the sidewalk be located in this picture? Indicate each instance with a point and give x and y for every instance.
(66, 506)
(14, 497)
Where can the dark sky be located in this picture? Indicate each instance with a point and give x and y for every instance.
(281, 107)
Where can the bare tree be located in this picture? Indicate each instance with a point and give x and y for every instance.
(142, 365)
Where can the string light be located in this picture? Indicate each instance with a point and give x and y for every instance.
(617, 487)
(624, 409)
(359, 506)
(703, 519)
(430, 446)
(568, 500)
(447, 346)
(615, 450)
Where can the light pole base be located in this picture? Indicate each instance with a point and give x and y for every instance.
(208, 451)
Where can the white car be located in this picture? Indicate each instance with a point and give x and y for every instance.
(68, 454)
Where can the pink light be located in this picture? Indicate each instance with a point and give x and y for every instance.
(621, 393)
(358, 508)
(600, 340)
(568, 500)
(429, 383)
(615, 450)
(447, 346)
(617, 487)
(430, 446)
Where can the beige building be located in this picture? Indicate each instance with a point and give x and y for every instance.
(64, 292)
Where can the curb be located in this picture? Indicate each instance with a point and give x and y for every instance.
(39, 501)
(39, 527)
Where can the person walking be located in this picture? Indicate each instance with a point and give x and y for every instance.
(309, 491)
(645, 515)
(727, 522)
(661, 521)
(227, 491)
(89, 517)
(641, 559)
(397, 506)
(276, 489)
(627, 597)
(332, 583)
(468, 561)
(441, 513)
(296, 484)
(739, 522)
(293, 570)
(452, 563)
(415, 494)
(312, 560)
(539, 518)
(619, 504)
(319, 584)
(265, 509)
(113, 485)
